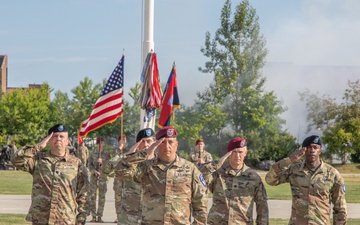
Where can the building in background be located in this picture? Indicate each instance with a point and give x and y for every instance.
(4, 76)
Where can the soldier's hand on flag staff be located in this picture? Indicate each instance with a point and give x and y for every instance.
(296, 156)
(44, 142)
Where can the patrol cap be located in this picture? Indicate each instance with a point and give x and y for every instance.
(98, 139)
(313, 139)
(167, 131)
(236, 142)
(199, 140)
(145, 133)
(57, 128)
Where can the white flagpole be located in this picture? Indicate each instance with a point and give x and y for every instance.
(147, 46)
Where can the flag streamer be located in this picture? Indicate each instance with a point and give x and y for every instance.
(150, 96)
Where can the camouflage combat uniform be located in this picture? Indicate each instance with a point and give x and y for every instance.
(205, 156)
(127, 195)
(234, 194)
(170, 192)
(59, 186)
(83, 154)
(312, 193)
(98, 183)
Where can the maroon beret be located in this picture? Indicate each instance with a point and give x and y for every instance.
(236, 142)
(199, 140)
(98, 139)
(167, 131)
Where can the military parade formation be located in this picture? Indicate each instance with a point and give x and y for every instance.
(154, 185)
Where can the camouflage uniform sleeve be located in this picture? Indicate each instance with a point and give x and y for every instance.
(279, 172)
(111, 164)
(23, 159)
(199, 200)
(209, 171)
(338, 201)
(262, 209)
(209, 158)
(189, 157)
(81, 193)
(130, 166)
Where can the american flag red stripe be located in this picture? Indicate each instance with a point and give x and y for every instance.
(109, 105)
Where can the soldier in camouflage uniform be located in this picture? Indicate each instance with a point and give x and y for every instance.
(173, 187)
(98, 180)
(83, 153)
(200, 156)
(235, 188)
(60, 182)
(314, 184)
(128, 209)
(108, 169)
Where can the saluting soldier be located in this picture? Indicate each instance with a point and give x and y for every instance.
(314, 184)
(200, 155)
(174, 188)
(235, 188)
(98, 180)
(60, 182)
(128, 203)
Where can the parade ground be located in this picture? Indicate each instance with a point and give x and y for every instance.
(19, 204)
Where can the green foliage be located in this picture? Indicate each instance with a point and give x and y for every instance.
(340, 123)
(236, 98)
(25, 112)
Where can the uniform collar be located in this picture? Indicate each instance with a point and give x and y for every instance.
(304, 168)
(233, 172)
(176, 163)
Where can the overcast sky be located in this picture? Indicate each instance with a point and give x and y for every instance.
(61, 42)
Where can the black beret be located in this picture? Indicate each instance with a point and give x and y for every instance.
(145, 133)
(167, 131)
(313, 139)
(57, 128)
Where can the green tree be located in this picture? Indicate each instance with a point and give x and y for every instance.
(25, 113)
(339, 122)
(60, 108)
(236, 56)
(82, 103)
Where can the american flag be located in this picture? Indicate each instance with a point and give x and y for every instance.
(109, 105)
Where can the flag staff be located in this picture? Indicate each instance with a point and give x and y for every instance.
(147, 45)
(122, 115)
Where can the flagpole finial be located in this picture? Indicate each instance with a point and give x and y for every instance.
(123, 51)
(174, 64)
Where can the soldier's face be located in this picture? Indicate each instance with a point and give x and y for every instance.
(237, 157)
(59, 140)
(312, 153)
(200, 146)
(146, 142)
(167, 149)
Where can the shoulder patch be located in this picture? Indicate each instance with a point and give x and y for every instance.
(202, 180)
(343, 187)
